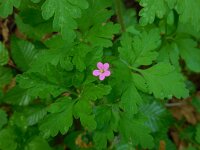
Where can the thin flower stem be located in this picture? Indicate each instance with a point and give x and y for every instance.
(119, 14)
(174, 104)
(132, 68)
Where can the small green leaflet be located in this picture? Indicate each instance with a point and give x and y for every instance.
(45, 84)
(94, 24)
(102, 34)
(140, 82)
(5, 76)
(3, 55)
(36, 116)
(3, 117)
(135, 131)
(54, 57)
(100, 138)
(6, 7)
(79, 52)
(98, 91)
(107, 121)
(130, 99)
(140, 49)
(65, 12)
(83, 110)
(169, 53)
(7, 139)
(190, 53)
(96, 14)
(164, 81)
(38, 143)
(154, 8)
(17, 96)
(58, 120)
(183, 47)
(35, 27)
(35, 1)
(189, 12)
(153, 111)
(19, 119)
(23, 53)
(197, 137)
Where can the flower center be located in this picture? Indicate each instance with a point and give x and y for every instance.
(102, 71)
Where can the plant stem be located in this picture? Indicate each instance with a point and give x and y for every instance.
(119, 14)
(174, 104)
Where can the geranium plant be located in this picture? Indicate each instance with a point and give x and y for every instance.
(96, 74)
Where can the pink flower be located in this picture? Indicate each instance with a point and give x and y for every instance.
(103, 70)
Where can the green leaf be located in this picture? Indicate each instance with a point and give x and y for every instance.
(3, 117)
(140, 82)
(196, 103)
(100, 138)
(5, 76)
(7, 139)
(188, 11)
(98, 91)
(56, 42)
(95, 56)
(65, 12)
(19, 120)
(135, 52)
(17, 96)
(107, 121)
(190, 53)
(197, 137)
(136, 131)
(153, 112)
(23, 53)
(35, 1)
(59, 105)
(36, 117)
(88, 121)
(188, 29)
(169, 53)
(164, 81)
(6, 7)
(83, 110)
(58, 121)
(130, 99)
(52, 81)
(79, 52)
(153, 8)
(54, 57)
(96, 14)
(94, 24)
(31, 23)
(38, 143)
(102, 34)
(3, 55)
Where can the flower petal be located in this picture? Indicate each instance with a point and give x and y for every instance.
(100, 66)
(107, 73)
(106, 66)
(96, 73)
(102, 77)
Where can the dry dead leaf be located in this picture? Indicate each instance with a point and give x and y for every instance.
(186, 111)
(82, 144)
(175, 137)
(162, 145)
(4, 30)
